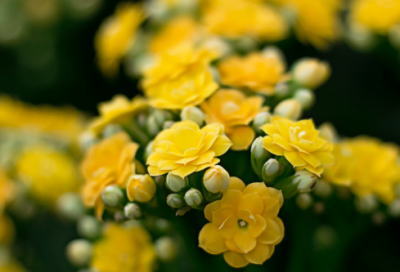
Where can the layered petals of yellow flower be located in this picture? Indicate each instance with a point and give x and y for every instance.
(244, 224)
(185, 148)
(341, 171)
(119, 110)
(299, 143)
(180, 78)
(116, 35)
(237, 18)
(123, 250)
(234, 111)
(110, 162)
(255, 71)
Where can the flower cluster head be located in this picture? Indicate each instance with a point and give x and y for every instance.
(185, 148)
(244, 224)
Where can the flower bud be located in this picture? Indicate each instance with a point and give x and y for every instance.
(70, 206)
(193, 114)
(89, 227)
(323, 189)
(394, 35)
(182, 211)
(168, 124)
(302, 181)
(360, 37)
(176, 183)
(311, 73)
(132, 211)
(288, 108)
(110, 130)
(261, 119)
(216, 179)
(79, 252)
(328, 131)
(258, 155)
(148, 150)
(141, 188)
(175, 201)
(281, 90)
(366, 204)
(193, 197)
(394, 208)
(119, 216)
(87, 140)
(112, 196)
(270, 170)
(152, 126)
(165, 248)
(305, 97)
(304, 201)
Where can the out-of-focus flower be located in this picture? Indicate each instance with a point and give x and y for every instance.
(123, 250)
(341, 171)
(180, 78)
(7, 190)
(49, 173)
(289, 108)
(244, 224)
(140, 188)
(311, 73)
(109, 162)
(238, 18)
(185, 148)
(7, 231)
(119, 110)
(299, 143)
(234, 111)
(376, 15)
(256, 71)
(116, 35)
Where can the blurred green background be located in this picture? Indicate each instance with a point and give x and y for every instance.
(55, 65)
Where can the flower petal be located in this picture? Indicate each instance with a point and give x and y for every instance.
(254, 230)
(268, 144)
(235, 260)
(273, 233)
(244, 241)
(210, 208)
(236, 184)
(259, 254)
(294, 158)
(184, 170)
(251, 202)
(241, 137)
(211, 240)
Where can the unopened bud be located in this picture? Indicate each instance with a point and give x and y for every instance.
(302, 181)
(193, 197)
(119, 216)
(176, 183)
(148, 150)
(87, 140)
(281, 90)
(193, 114)
(216, 179)
(259, 155)
(110, 130)
(165, 248)
(182, 211)
(288, 108)
(270, 170)
(70, 206)
(361, 37)
(394, 208)
(322, 189)
(112, 196)
(79, 252)
(141, 188)
(133, 211)
(261, 119)
(394, 35)
(304, 201)
(305, 97)
(366, 204)
(311, 73)
(328, 131)
(175, 201)
(89, 227)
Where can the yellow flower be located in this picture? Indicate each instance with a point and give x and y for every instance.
(341, 171)
(185, 148)
(140, 188)
(180, 78)
(376, 15)
(110, 162)
(237, 18)
(256, 71)
(234, 111)
(7, 231)
(244, 226)
(123, 250)
(7, 190)
(299, 143)
(48, 172)
(118, 110)
(116, 35)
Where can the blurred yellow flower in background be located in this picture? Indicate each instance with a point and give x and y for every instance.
(185, 148)
(244, 226)
(7, 231)
(109, 162)
(341, 171)
(238, 18)
(234, 111)
(48, 172)
(256, 71)
(299, 143)
(119, 110)
(376, 15)
(7, 190)
(123, 250)
(116, 35)
(12, 267)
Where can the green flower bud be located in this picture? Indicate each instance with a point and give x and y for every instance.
(70, 206)
(87, 140)
(288, 108)
(258, 155)
(304, 201)
(261, 119)
(182, 211)
(148, 150)
(176, 183)
(394, 208)
(119, 216)
(79, 252)
(216, 179)
(168, 124)
(302, 181)
(152, 126)
(360, 37)
(132, 211)
(165, 248)
(193, 197)
(282, 90)
(175, 201)
(112, 196)
(193, 114)
(366, 204)
(270, 170)
(110, 130)
(89, 227)
(285, 167)
(305, 97)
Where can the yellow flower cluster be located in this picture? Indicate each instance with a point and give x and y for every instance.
(123, 250)
(244, 224)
